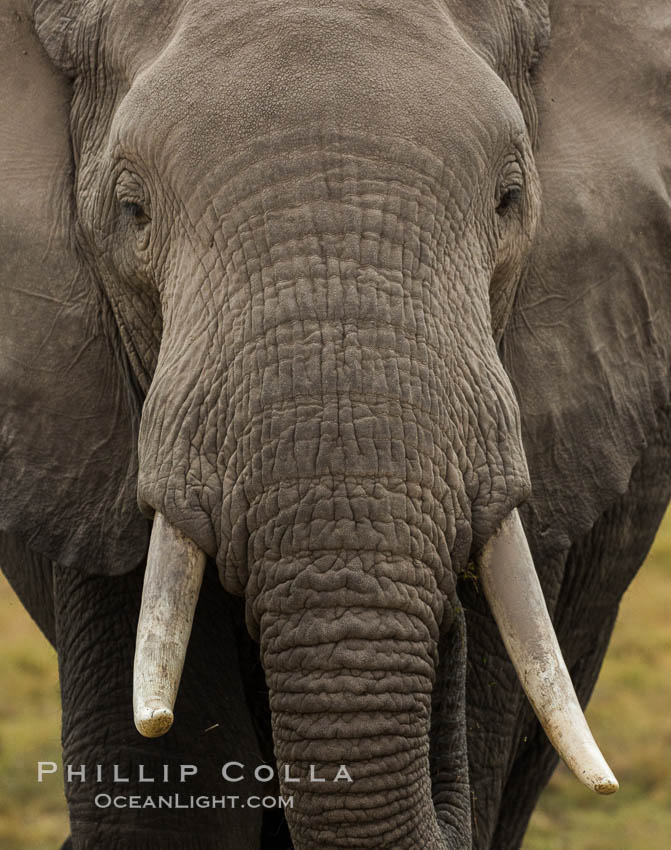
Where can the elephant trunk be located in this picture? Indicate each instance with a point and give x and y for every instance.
(349, 645)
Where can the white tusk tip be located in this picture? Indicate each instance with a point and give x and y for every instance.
(153, 722)
(607, 785)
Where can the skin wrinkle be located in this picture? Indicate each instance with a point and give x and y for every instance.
(274, 141)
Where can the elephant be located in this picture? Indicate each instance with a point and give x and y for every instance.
(334, 400)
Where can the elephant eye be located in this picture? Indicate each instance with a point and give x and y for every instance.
(132, 208)
(138, 221)
(510, 197)
(135, 218)
(135, 210)
(133, 205)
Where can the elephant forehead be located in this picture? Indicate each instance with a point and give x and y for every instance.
(225, 76)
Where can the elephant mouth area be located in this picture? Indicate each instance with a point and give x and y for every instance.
(345, 517)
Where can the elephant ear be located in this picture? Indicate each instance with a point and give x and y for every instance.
(589, 341)
(68, 418)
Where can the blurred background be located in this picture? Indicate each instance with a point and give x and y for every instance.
(629, 714)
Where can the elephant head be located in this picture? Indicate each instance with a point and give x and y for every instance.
(258, 276)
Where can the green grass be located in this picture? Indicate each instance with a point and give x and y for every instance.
(629, 714)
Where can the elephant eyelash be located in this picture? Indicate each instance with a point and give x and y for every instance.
(133, 208)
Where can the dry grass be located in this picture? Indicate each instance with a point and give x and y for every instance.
(629, 714)
(32, 816)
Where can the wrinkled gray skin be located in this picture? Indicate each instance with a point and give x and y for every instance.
(259, 258)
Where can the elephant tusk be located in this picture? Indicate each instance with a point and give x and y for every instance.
(175, 567)
(514, 594)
